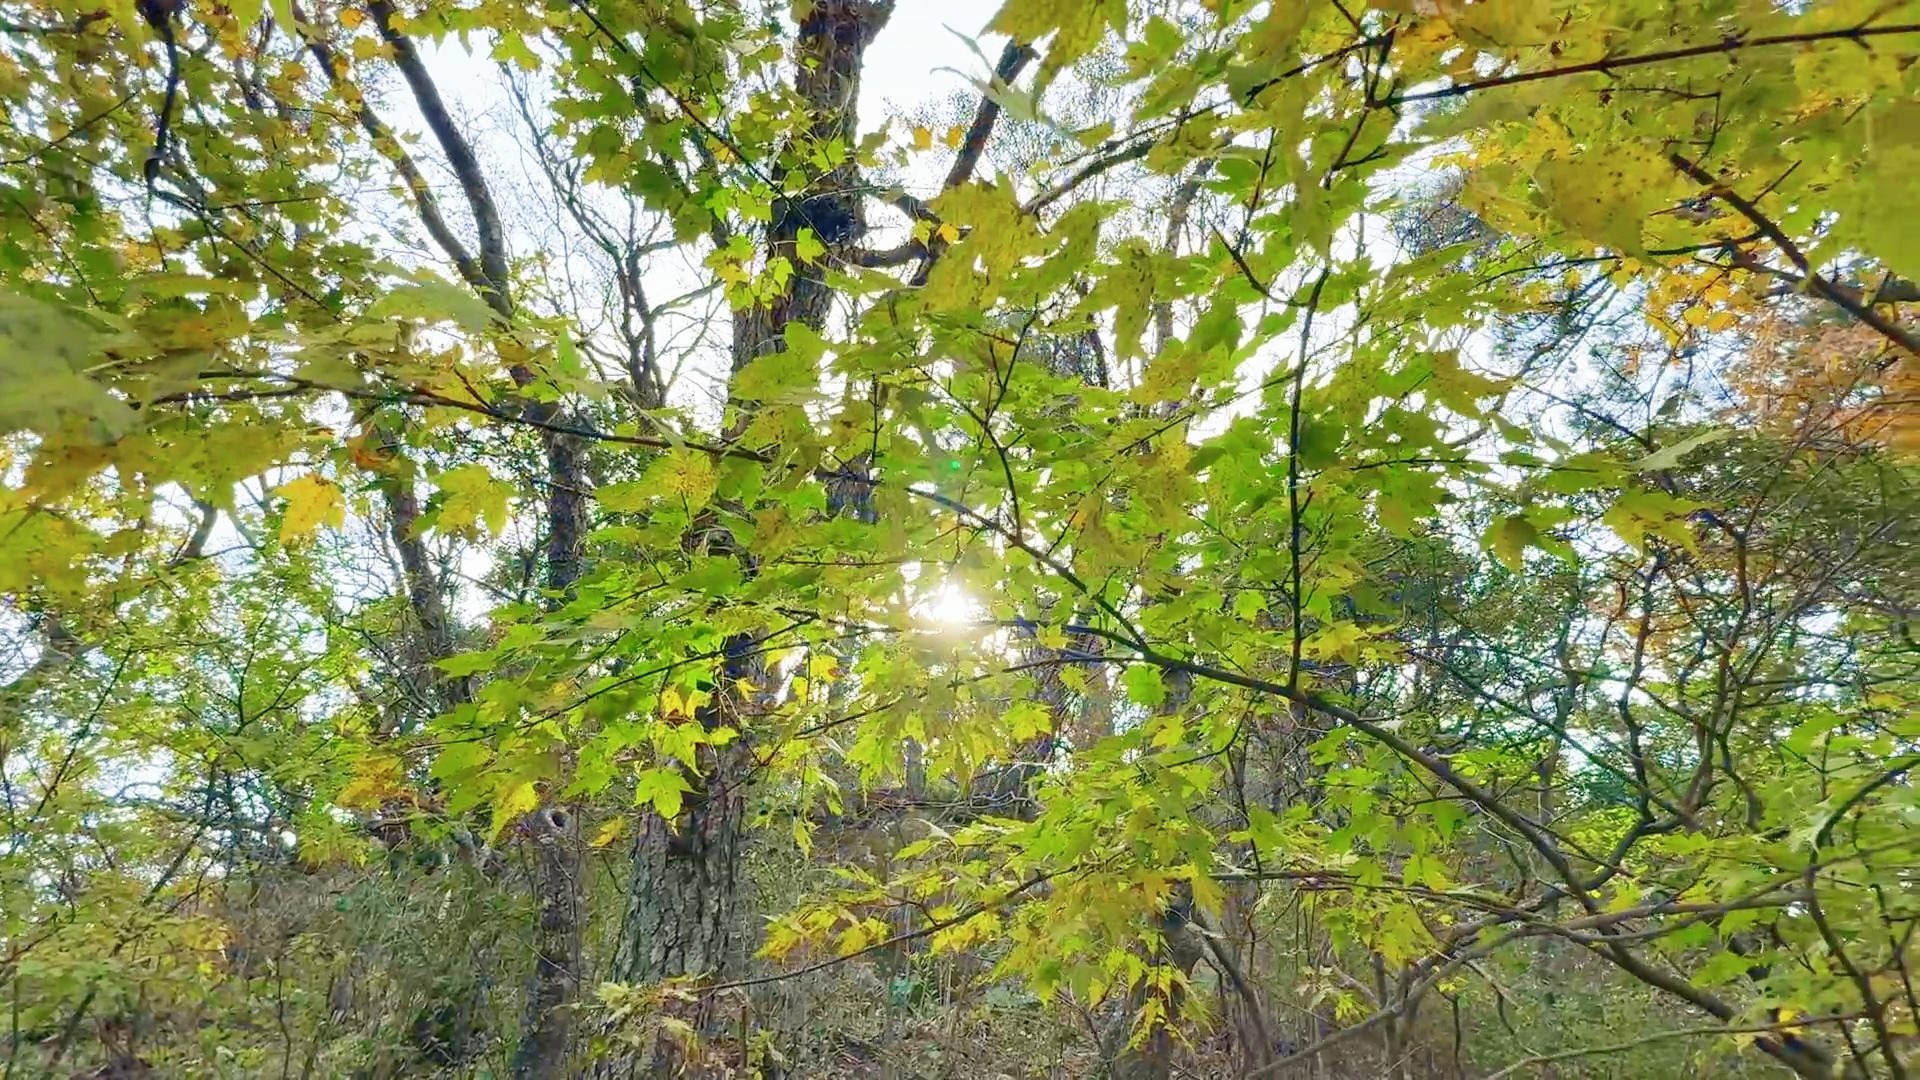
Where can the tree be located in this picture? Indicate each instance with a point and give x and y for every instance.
(1459, 572)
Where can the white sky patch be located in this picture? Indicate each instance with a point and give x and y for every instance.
(903, 71)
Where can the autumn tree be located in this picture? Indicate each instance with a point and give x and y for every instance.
(1284, 505)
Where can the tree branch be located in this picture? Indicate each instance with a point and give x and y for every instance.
(460, 157)
(1839, 295)
(1729, 44)
(425, 203)
(1013, 58)
(1088, 172)
(1719, 1030)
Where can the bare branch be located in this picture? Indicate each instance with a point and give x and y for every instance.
(1089, 171)
(425, 203)
(460, 157)
(1013, 58)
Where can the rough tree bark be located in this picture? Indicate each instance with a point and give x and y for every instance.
(683, 905)
(553, 830)
(683, 902)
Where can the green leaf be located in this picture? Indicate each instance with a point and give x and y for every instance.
(1639, 512)
(1459, 389)
(434, 301)
(1668, 457)
(664, 788)
(1026, 719)
(1145, 685)
(1508, 539)
(1603, 196)
(807, 247)
(468, 495)
(1248, 604)
(44, 350)
(463, 664)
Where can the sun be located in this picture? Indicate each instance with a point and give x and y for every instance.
(949, 606)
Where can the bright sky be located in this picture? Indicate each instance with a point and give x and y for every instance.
(918, 58)
(904, 68)
(902, 61)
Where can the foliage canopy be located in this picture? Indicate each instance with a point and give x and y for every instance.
(1302, 487)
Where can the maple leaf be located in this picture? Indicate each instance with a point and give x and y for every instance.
(313, 501)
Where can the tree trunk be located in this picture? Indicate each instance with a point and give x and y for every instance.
(683, 904)
(681, 911)
(548, 1022)
(559, 899)
(559, 893)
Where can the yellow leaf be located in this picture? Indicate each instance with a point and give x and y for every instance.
(947, 232)
(679, 1030)
(513, 802)
(684, 474)
(1602, 197)
(375, 779)
(351, 18)
(470, 494)
(1080, 25)
(312, 501)
(922, 138)
(609, 832)
(1508, 539)
(1206, 891)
